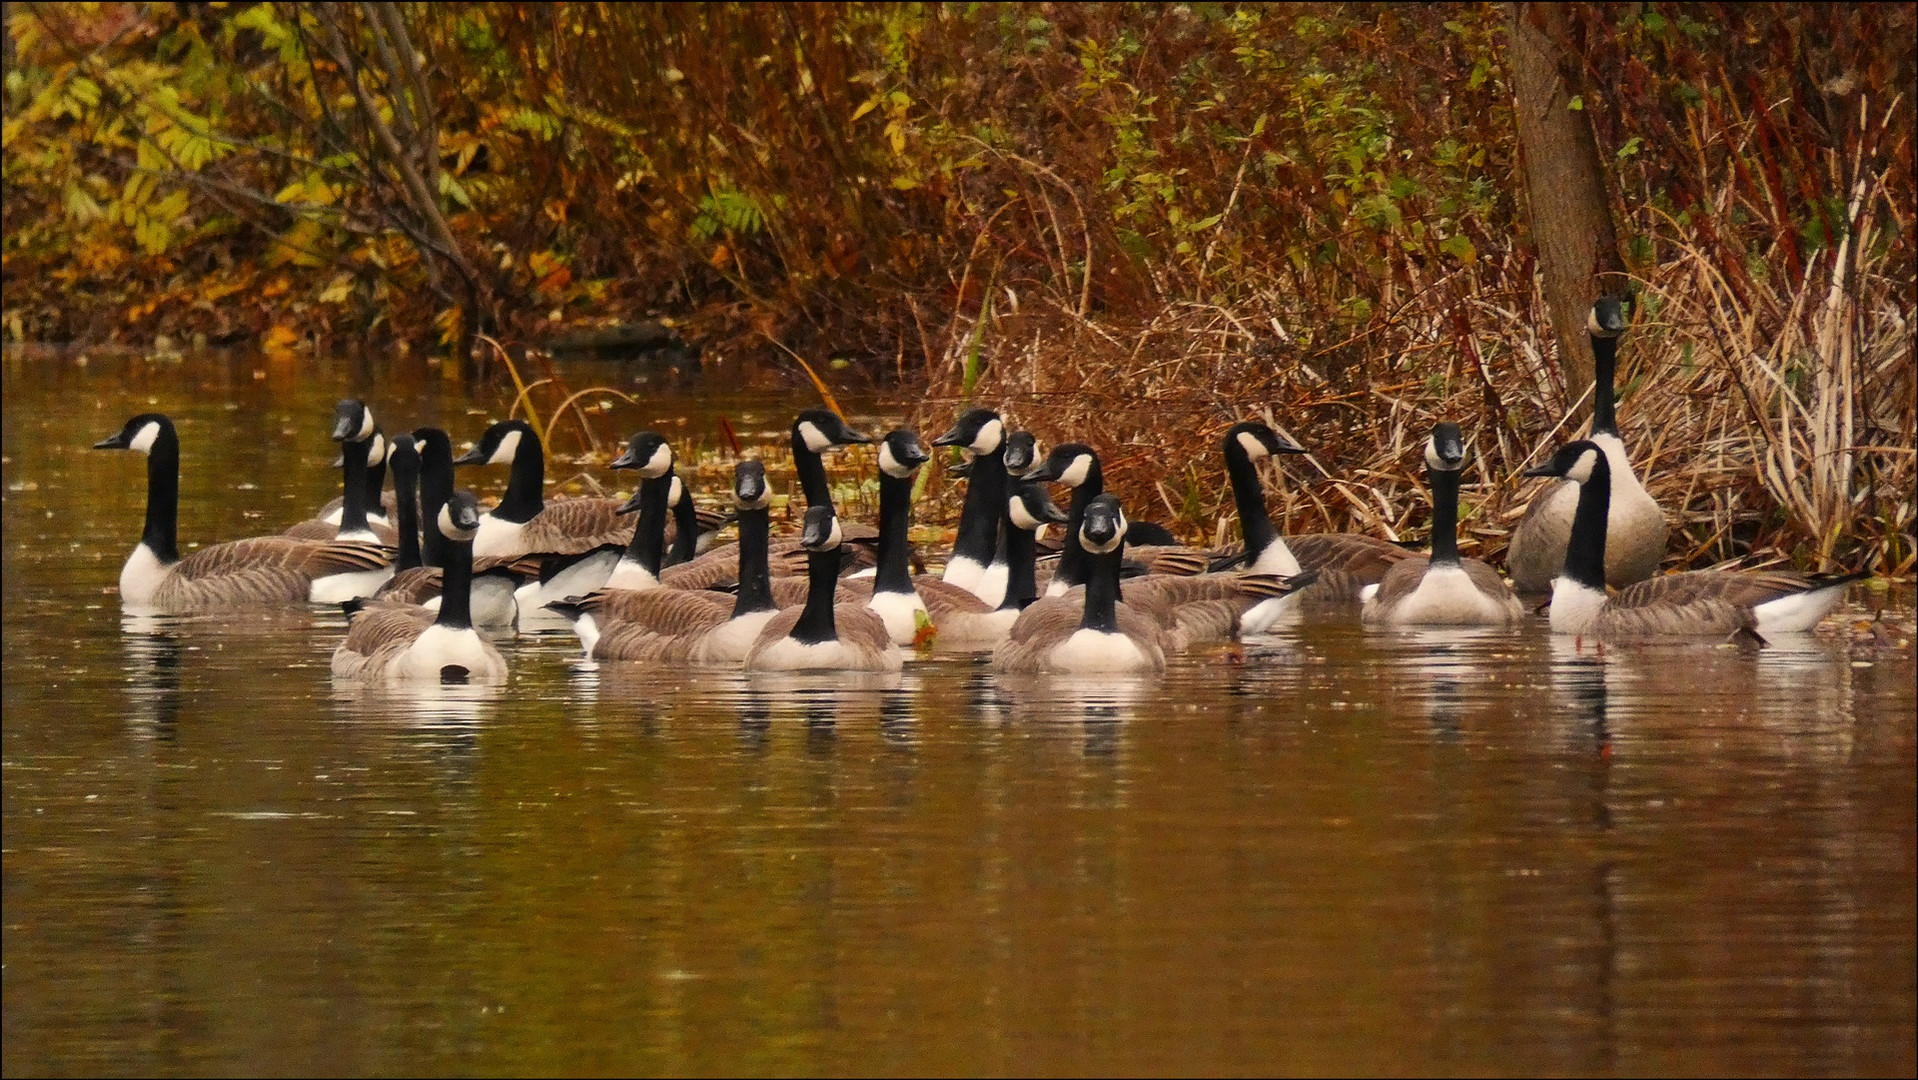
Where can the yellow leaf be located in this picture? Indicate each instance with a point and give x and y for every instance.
(279, 338)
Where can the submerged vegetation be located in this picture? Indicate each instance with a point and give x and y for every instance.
(1128, 224)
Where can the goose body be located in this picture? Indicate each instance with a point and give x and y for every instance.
(1092, 632)
(1442, 589)
(971, 566)
(259, 572)
(362, 463)
(1710, 603)
(493, 606)
(390, 642)
(525, 522)
(824, 635)
(1635, 531)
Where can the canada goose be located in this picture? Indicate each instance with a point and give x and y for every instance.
(814, 432)
(824, 635)
(1345, 562)
(1636, 532)
(1705, 603)
(1094, 632)
(1077, 466)
(493, 605)
(981, 434)
(263, 571)
(664, 624)
(524, 522)
(361, 447)
(390, 642)
(693, 528)
(1443, 590)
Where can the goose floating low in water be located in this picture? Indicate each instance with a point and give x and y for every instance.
(1444, 589)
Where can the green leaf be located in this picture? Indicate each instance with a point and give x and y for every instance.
(1460, 247)
(1577, 103)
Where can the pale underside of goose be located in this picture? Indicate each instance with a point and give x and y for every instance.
(1048, 637)
(394, 642)
(1635, 530)
(862, 644)
(1466, 593)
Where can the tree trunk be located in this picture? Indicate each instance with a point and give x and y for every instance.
(1564, 184)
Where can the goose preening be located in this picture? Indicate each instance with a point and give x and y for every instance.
(1345, 562)
(1705, 603)
(814, 432)
(263, 571)
(1444, 589)
(393, 642)
(362, 447)
(824, 635)
(1636, 531)
(1092, 631)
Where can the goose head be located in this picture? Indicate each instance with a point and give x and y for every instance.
(1030, 507)
(460, 518)
(1259, 440)
(821, 531)
(1105, 525)
(352, 421)
(1069, 464)
(140, 433)
(1607, 318)
(1022, 448)
(978, 432)
(750, 491)
(1445, 450)
(1574, 461)
(649, 453)
(901, 454)
(499, 445)
(820, 430)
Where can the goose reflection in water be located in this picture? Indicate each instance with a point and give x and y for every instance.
(153, 647)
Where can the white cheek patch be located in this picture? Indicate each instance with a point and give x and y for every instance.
(366, 425)
(1254, 449)
(889, 464)
(676, 493)
(1581, 470)
(376, 454)
(1434, 460)
(989, 437)
(1076, 473)
(508, 447)
(815, 439)
(1016, 510)
(833, 539)
(450, 529)
(143, 442)
(657, 465)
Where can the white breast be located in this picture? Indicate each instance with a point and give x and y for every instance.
(1097, 651)
(140, 578)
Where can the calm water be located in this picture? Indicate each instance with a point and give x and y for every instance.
(1331, 852)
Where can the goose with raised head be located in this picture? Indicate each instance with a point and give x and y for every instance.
(1345, 562)
(263, 571)
(393, 642)
(824, 635)
(981, 434)
(361, 448)
(1443, 589)
(1703, 603)
(1092, 631)
(665, 624)
(814, 433)
(1636, 531)
(495, 579)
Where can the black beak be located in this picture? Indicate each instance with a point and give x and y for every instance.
(626, 460)
(471, 457)
(112, 442)
(960, 469)
(950, 438)
(1547, 469)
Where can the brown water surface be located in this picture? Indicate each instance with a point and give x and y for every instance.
(1332, 852)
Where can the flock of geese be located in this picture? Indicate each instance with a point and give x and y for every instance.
(422, 570)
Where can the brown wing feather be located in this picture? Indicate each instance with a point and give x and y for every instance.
(1699, 616)
(1742, 588)
(1365, 558)
(573, 526)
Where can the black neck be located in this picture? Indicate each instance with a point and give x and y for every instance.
(685, 532)
(985, 504)
(456, 584)
(1444, 516)
(436, 489)
(1604, 373)
(163, 498)
(1248, 494)
(1102, 591)
(1072, 566)
(894, 574)
(812, 473)
(648, 547)
(525, 489)
(353, 493)
(375, 483)
(755, 576)
(1022, 583)
(406, 482)
(822, 581)
(1585, 553)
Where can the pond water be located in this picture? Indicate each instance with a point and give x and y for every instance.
(1328, 852)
